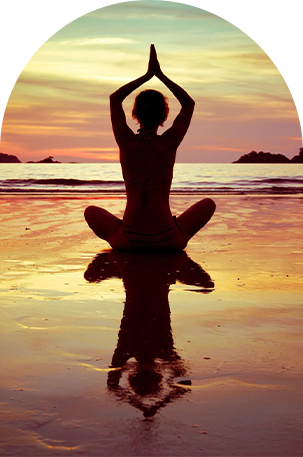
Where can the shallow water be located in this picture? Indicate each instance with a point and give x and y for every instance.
(84, 178)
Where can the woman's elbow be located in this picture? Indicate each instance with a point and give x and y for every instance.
(189, 103)
(192, 102)
(114, 99)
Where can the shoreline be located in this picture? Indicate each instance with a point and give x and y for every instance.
(118, 194)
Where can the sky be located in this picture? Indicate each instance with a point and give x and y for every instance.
(60, 103)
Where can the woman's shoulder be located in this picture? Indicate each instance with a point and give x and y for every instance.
(154, 145)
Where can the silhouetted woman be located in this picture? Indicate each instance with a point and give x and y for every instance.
(147, 160)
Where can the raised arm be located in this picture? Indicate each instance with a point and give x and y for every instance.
(120, 127)
(182, 121)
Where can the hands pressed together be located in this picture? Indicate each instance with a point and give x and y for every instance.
(153, 69)
(153, 65)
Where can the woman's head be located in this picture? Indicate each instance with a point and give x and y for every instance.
(150, 108)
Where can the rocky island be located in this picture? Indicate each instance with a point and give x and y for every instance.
(268, 157)
(6, 158)
(47, 160)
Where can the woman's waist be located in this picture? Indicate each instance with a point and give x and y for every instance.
(151, 191)
(149, 234)
(148, 220)
(148, 203)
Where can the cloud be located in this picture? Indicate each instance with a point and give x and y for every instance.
(274, 58)
(97, 41)
(211, 147)
(59, 89)
(294, 138)
(57, 113)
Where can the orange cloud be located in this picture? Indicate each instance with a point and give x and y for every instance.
(209, 147)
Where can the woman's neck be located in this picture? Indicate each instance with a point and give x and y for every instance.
(149, 129)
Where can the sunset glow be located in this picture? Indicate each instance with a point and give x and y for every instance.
(60, 104)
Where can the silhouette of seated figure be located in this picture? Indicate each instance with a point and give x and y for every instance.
(147, 381)
(147, 161)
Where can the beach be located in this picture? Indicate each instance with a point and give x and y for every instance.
(221, 351)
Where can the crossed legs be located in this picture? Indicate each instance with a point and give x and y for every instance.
(102, 222)
(195, 217)
(105, 225)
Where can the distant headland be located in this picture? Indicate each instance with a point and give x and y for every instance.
(268, 157)
(6, 158)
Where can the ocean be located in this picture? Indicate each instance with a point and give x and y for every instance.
(189, 178)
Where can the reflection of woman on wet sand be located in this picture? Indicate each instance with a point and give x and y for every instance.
(147, 161)
(145, 363)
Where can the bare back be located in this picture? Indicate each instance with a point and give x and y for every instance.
(147, 167)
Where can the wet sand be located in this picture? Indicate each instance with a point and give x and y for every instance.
(207, 359)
